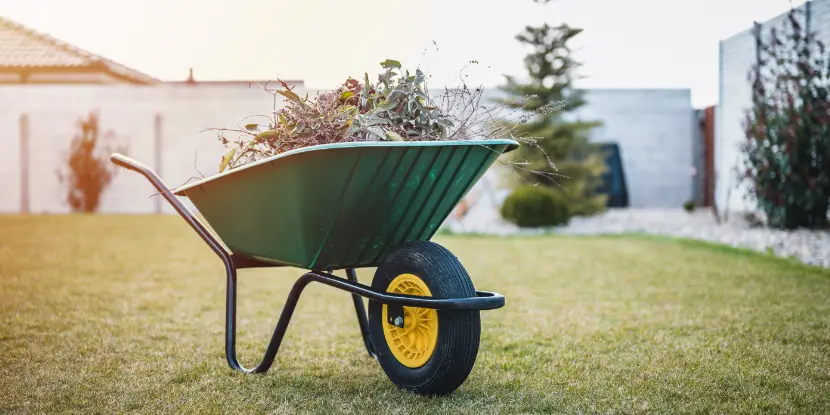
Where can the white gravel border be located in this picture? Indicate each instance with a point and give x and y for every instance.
(810, 247)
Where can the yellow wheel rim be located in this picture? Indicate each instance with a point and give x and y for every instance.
(414, 343)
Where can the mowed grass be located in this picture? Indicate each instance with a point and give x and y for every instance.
(115, 314)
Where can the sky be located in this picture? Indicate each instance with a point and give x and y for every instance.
(625, 43)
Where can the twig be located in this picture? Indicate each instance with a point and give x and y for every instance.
(228, 129)
(195, 158)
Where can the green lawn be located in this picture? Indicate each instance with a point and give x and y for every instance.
(113, 314)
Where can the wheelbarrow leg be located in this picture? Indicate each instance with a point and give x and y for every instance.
(360, 310)
(279, 330)
(230, 325)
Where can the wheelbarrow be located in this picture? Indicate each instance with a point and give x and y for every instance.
(355, 205)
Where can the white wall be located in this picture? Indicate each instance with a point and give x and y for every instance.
(656, 130)
(9, 159)
(130, 112)
(737, 55)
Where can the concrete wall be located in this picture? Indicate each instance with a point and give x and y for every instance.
(659, 134)
(655, 129)
(9, 160)
(737, 55)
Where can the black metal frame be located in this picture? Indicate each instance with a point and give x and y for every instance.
(484, 300)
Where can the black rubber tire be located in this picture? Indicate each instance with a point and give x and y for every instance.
(459, 332)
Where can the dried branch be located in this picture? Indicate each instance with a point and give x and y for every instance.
(398, 106)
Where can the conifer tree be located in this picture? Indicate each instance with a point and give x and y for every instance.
(568, 162)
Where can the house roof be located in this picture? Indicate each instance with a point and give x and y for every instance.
(23, 48)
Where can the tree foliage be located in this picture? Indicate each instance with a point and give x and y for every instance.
(87, 170)
(787, 129)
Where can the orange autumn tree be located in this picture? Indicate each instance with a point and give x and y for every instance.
(87, 170)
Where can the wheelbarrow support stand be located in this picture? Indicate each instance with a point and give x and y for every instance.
(484, 300)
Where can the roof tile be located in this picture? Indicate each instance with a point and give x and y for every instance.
(21, 47)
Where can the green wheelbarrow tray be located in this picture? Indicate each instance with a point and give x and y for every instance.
(346, 206)
(342, 205)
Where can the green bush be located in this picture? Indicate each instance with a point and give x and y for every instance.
(536, 206)
(689, 206)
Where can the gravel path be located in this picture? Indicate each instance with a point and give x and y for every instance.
(811, 247)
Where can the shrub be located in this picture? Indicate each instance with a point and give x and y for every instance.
(787, 146)
(88, 171)
(689, 206)
(536, 206)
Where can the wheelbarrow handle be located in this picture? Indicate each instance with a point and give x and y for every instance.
(123, 161)
(194, 222)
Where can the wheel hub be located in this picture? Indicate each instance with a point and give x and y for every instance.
(414, 343)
